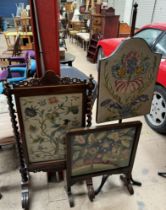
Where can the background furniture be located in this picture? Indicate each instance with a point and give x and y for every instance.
(103, 25)
(13, 75)
(106, 23)
(76, 27)
(62, 37)
(68, 59)
(124, 30)
(92, 48)
(22, 24)
(83, 38)
(26, 39)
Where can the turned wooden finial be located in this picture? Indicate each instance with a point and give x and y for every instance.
(134, 16)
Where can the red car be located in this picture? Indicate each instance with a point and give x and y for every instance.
(155, 36)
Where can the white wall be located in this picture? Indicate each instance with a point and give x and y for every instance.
(149, 11)
(145, 10)
(159, 14)
(128, 11)
(111, 3)
(122, 8)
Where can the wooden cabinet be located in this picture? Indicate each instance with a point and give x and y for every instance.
(124, 30)
(105, 23)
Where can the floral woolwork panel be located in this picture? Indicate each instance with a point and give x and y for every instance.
(46, 120)
(102, 148)
(126, 81)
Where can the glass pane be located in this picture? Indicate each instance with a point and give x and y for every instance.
(149, 35)
(161, 46)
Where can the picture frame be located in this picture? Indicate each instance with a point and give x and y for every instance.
(102, 150)
(126, 81)
(46, 113)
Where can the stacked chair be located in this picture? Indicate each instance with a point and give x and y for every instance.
(17, 70)
(77, 27)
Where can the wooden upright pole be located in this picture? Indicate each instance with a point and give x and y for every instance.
(48, 26)
(134, 16)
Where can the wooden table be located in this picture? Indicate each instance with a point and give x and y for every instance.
(26, 39)
(68, 59)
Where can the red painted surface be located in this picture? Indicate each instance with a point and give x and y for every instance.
(109, 45)
(49, 32)
(161, 77)
(160, 26)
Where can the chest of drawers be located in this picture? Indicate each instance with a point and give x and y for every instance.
(105, 24)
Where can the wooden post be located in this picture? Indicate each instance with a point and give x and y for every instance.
(134, 16)
(48, 24)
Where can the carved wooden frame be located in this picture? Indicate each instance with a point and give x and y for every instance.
(79, 135)
(49, 84)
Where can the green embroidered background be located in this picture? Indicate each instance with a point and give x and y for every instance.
(46, 119)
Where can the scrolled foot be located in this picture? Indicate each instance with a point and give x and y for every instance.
(127, 184)
(70, 196)
(163, 174)
(91, 192)
(25, 196)
(130, 188)
(71, 200)
(133, 182)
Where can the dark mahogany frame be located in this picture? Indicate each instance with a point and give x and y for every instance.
(48, 85)
(46, 91)
(127, 171)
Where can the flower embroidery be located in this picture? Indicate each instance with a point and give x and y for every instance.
(128, 73)
(80, 140)
(124, 109)
(33, 128)
(94, 151)
(47, 118)
(30, 111)
(53, 100)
